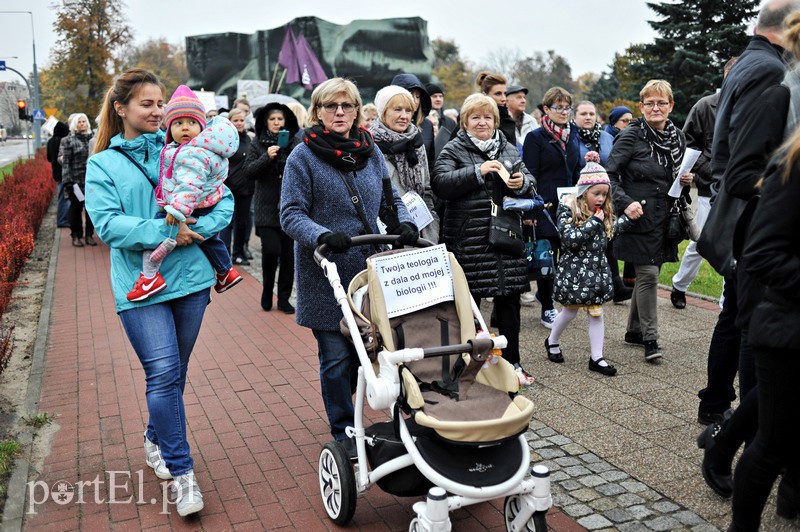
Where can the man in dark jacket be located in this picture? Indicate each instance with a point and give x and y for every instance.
(699, 131)
(758, 68)
(750, 137)
(60, 131)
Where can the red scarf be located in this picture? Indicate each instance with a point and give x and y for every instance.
(560, 134)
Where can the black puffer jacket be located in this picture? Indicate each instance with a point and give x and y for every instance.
(465, 229)
(236, 181)
(266, 172)
(635, 176)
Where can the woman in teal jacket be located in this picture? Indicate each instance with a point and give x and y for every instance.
(120, 182)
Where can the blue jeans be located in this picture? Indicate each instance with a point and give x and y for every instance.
(213, 247)
(163, 336)
(338, 367)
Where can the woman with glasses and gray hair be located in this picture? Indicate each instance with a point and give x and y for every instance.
(335, 157)
(552, 153)
(642, 166)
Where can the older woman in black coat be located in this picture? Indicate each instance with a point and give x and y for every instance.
(643, 164)
(466, 178)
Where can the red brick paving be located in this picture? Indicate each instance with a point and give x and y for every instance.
(255, 416)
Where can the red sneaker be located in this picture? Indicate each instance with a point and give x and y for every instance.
(227, 280)
(145, 287)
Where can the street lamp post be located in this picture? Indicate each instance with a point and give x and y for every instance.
(37, 125)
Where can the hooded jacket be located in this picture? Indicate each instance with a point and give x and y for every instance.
(268, 173)
(120, 202)
(192, 174)
(411, 82)
(60, 131)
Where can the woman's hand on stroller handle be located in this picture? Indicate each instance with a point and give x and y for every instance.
(364, 240)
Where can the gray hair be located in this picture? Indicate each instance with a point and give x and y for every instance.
(73, 121)
(774, 12)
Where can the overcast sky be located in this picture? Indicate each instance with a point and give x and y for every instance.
(585, 32)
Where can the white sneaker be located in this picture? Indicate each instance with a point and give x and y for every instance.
(527, 299)
(548, 317)
(185, 493)
(153, 458)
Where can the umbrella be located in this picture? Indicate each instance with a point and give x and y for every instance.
(261, 101)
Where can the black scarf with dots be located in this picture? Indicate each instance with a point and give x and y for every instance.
(343, 153)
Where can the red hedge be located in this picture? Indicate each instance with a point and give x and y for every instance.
(25, 195)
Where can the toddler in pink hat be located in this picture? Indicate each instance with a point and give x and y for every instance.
(194, 165)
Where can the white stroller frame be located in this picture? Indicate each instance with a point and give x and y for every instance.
(527, 500)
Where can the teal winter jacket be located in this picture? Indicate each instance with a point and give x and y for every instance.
(121, 203)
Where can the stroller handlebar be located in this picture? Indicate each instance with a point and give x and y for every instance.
(368, 240)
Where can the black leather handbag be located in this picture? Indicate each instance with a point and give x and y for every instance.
(505, 231)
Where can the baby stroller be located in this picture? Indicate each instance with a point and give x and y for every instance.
(457, 421)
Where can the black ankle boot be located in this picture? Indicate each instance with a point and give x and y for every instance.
(716, 467)
(788, 502)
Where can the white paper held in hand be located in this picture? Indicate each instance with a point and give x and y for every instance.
(419, 212)
(690, 157)
(76, 189)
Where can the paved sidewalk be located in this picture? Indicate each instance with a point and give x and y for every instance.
(621, 449)
(256, 421)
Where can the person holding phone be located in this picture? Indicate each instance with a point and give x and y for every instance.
(276, 128)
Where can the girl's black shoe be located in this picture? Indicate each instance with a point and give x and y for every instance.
(558, 358)
(608, 370)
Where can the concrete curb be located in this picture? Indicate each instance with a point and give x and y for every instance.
(13, 512)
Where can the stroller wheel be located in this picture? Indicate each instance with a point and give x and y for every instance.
(514, 505)
(337, 483)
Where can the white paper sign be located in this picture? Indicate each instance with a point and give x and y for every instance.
(563, 191)
(419, 212)
(689, 158)
(415, 279)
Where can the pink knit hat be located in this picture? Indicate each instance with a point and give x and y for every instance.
(592, 174)
(184, 104)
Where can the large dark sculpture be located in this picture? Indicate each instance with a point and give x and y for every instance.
(370, 52)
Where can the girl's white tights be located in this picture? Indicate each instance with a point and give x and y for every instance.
(596, 331)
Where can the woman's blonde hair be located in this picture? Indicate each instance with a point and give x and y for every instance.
(581, 211)
(236, 111)
(791, 148)
(125, 87)
(327, 91)
(403, 98)
(479, 102)
(656, 87)
(300, 113)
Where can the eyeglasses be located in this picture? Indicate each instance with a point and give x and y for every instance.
(560, 109)
(650, 105)
(347, 108)
(625, 120)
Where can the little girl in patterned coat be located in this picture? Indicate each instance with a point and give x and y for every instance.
(194, 164)
(583, 278)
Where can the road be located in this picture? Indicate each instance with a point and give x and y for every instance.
(13, 149)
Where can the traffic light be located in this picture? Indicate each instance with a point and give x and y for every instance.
(22, 105)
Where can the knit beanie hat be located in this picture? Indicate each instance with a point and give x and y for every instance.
(592, 174)
(387, 93)
(184, 104)
(617, 113)
(433, 88)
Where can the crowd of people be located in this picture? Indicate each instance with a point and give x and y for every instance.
(166, 176)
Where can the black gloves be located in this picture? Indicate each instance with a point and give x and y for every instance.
(338, 241)
(407, 232)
